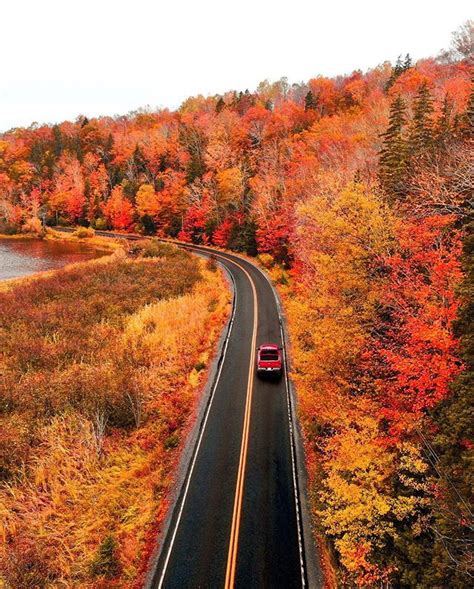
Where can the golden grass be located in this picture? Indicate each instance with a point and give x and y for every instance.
(105, 243)
(78, 485)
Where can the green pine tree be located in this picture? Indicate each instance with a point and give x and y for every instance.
(443, 131)
(220, 104)
(421, 135)
(58, 141)
(107, 152)
(310, 101)
(393, 162)
(468, 122)
(398, 69)
(76, 147)
(454, 428)
(139, 160)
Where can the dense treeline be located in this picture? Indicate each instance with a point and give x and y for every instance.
(231, 169)
(356, 192)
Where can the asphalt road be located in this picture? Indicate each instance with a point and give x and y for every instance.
(198, 550)
(236, 521)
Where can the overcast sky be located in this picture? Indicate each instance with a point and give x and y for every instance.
(62, 58)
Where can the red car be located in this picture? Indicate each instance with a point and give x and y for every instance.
(269, 360)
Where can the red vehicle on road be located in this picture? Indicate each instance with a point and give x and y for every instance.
(269, 360)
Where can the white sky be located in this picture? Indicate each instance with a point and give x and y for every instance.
(62, 58)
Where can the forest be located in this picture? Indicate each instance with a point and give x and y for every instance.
(356, 193)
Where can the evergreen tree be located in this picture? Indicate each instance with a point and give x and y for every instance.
(220, 104)
(236, 98)
(443, 131)
(310, 101)
(398, 69)
(421, 133)
(139, 161)
(58, 141)
(468, 122)
(37, 153)
(393, 163)
(195, 168)
(108, 146)
(76, 147)
(243, 101)
(269, 104)
(106, 562)
(453, 448)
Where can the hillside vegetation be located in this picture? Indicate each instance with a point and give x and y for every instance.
(356, 193)
(101, 366)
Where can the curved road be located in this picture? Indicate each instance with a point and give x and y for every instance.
(236, 521)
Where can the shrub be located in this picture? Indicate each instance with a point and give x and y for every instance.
(153, 248)
(100, 224)
(106, 563)
(172, 441)
(266, 260)
(84, 232)
(211, 263)
(281, 277)
(8, 228)
(33, 225)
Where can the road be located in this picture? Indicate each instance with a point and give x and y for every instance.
(236, 522)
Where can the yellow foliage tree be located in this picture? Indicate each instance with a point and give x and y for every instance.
(230, 186)
(147, 201)
(341, 234)
(341, 238)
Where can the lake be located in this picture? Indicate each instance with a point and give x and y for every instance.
(21, 257)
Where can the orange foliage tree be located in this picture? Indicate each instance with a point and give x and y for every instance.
(119, 210)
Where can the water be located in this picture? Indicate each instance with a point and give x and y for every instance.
(21, 257)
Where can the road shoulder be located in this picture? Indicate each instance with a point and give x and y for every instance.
(191, 441)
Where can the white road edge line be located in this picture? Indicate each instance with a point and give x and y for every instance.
(290, 423)
(291, 432)
(293, 463)
(291, 428)
(201, 435)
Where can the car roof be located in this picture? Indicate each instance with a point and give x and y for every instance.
(268, 347)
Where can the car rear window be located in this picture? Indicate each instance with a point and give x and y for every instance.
(270, 355)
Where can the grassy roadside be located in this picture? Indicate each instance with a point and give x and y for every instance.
(100, 380)
(86, 236)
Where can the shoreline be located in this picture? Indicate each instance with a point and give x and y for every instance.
(105, 247)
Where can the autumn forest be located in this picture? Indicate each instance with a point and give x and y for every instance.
(355, 193)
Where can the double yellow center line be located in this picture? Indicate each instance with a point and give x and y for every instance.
(239, 490)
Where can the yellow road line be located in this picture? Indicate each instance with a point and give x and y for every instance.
(234, 535)
(239, 489)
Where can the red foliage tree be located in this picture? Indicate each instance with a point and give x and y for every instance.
(118, 210)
